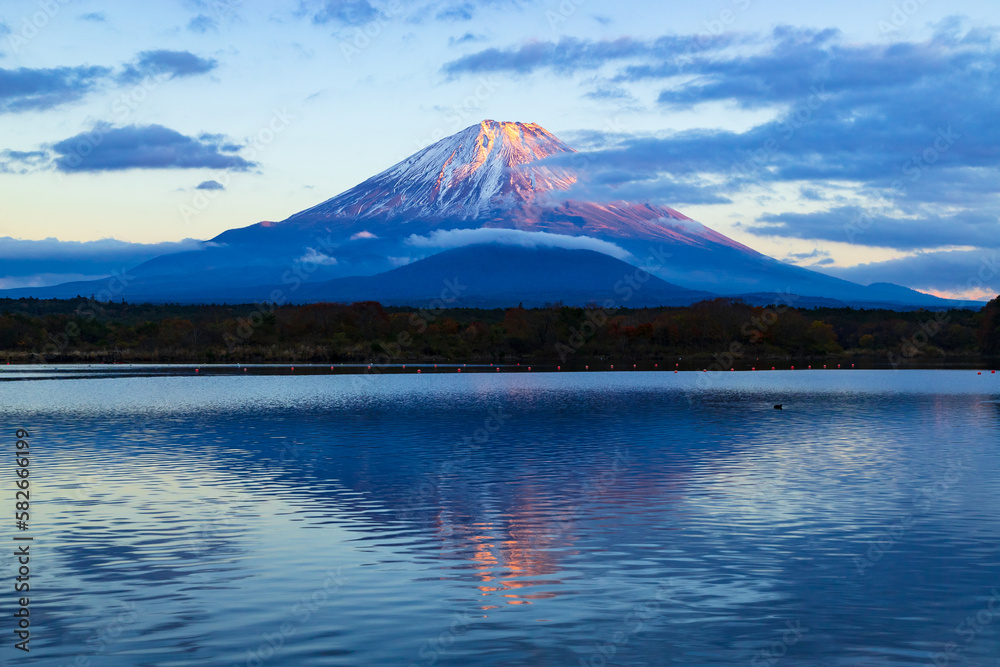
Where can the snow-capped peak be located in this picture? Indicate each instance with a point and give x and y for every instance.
(485, 168)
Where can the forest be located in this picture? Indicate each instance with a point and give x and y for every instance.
(723, 332)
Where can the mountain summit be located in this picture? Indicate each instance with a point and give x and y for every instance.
(483, 169)
(495, 175)
(497, 204)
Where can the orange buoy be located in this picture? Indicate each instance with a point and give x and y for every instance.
(675, 372)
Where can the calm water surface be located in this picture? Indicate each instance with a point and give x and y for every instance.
(509, 519)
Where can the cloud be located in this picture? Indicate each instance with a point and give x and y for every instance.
(957, 271)
(94, 17)
(906, 128)
(22, 162)
(108, 148)
(467, 38)
(854, 224)
(570, 54)
(50, 261)
(345, 12)
(210, 185)
(173, 64)
(25, 89)
(459, 12)
(202, 24)
(608, 185)
(312, 256)
(457, 238)
(363, 235)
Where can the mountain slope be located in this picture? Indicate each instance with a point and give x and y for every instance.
(499, 276)
(461, 191)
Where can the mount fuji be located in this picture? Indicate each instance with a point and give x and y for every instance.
(492, 206)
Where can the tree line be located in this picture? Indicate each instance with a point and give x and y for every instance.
(83, 330)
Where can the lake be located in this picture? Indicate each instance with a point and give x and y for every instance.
(627, 518)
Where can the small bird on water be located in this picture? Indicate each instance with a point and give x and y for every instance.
(778, 406)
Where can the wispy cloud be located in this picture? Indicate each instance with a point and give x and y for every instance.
(345, 12)
(202, 23)
(164, 62)
(25, 89)
(39, 89)
(457, 238)
(22, 162)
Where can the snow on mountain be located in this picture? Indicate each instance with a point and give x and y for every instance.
(493, 175)
(482, 169)
(487, 186)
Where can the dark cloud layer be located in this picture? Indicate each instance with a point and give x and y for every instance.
(22, 262)
(853, 224)
(108, 148)
(910, 125)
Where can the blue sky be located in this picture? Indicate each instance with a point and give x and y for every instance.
(859, 138)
